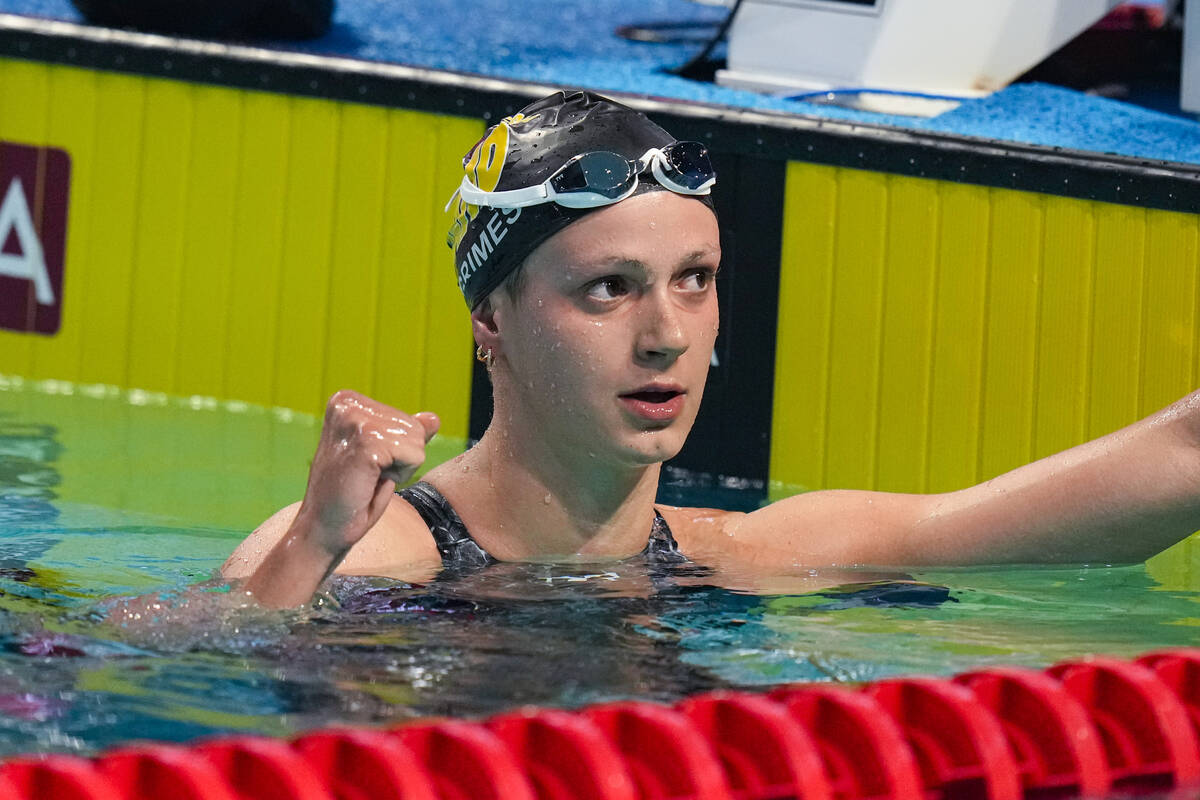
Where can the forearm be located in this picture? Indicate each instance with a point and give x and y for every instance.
(294, 568)
(1118, 499)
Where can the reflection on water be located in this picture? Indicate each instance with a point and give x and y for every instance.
(27, 455)
(77, 674)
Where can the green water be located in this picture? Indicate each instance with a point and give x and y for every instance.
(107, 494)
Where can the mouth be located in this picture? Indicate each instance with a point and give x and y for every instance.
(654, 403)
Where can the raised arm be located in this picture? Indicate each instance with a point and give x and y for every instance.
(366, 447)
(1118, 499)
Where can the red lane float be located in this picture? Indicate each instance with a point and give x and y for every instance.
(765, 753)
(60, 777)
(565, 755)
(1056, 747)
(1083, 728)
(264, 769)
(863, 749)
(1180, 670)
(960, 746)
(666, 754)
(1147, 735)
(166, 771)
(365, 765)
(466, 761)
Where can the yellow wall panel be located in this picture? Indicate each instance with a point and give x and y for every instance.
(962, 235)
(910, 270)
(419, 307)
(1117, 296)
(1012, 325)
(257, 257)
(1064, 331)
(208, 237)
(1169, 341)
(856, 328)
(25, 101)
(105, 263)
(158, 254)
(802, 340)
(971, 329)
(1010, 342)
(247, 245)
(72, 121)
(307, 232)
(401, 309)
(357, 233)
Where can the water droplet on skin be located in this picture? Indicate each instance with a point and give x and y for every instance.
(653, 225)
(541, 302)
(546, 499)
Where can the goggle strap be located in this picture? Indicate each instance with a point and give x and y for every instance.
(655, 158)
(510, 198)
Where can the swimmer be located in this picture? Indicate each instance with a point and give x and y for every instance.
(586, 247)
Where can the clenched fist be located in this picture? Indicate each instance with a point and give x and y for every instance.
(366, 448)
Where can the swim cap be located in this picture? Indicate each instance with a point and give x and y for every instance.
(524, 150)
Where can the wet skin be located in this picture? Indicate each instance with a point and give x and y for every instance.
(599, 364)
(603, 355)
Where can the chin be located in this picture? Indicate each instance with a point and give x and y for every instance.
(654, 447)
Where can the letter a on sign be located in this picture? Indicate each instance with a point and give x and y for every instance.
(15, 220)
(33, 232)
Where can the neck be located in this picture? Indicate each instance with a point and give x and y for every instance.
(552, 498)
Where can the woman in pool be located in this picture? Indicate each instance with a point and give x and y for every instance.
(586, 247)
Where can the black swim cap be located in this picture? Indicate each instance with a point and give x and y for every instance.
(524, 150)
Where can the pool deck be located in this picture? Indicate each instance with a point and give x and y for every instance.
(575, 44)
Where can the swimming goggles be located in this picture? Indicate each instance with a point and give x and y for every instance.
(600, 178)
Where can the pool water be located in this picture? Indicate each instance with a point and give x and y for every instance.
(107, 494)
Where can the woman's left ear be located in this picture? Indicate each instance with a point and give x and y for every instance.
(486, 328)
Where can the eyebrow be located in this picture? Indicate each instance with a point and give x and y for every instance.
(621, 261)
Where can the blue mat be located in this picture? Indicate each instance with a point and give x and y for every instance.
(572, 43)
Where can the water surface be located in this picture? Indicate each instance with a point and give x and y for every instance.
(106, 495)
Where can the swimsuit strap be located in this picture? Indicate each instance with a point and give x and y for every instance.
(454, 543)
(662, 547)
(460, 551)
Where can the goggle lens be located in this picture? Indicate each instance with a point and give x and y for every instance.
(687, 164)
(600, 172)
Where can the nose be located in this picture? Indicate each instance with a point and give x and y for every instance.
(662, 336)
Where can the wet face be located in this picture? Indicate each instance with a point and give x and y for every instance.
(607, 346)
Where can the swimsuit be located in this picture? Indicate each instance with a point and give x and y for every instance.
(462, 553)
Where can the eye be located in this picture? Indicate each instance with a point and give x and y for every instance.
(697, 280)
(608, 288)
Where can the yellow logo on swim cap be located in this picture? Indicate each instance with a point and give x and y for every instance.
(483, 166)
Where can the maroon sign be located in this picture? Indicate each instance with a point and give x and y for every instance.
(33, 236)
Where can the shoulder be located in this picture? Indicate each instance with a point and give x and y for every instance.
(700, 531)
(396, 546)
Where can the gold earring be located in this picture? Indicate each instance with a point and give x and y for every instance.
(484, 355)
